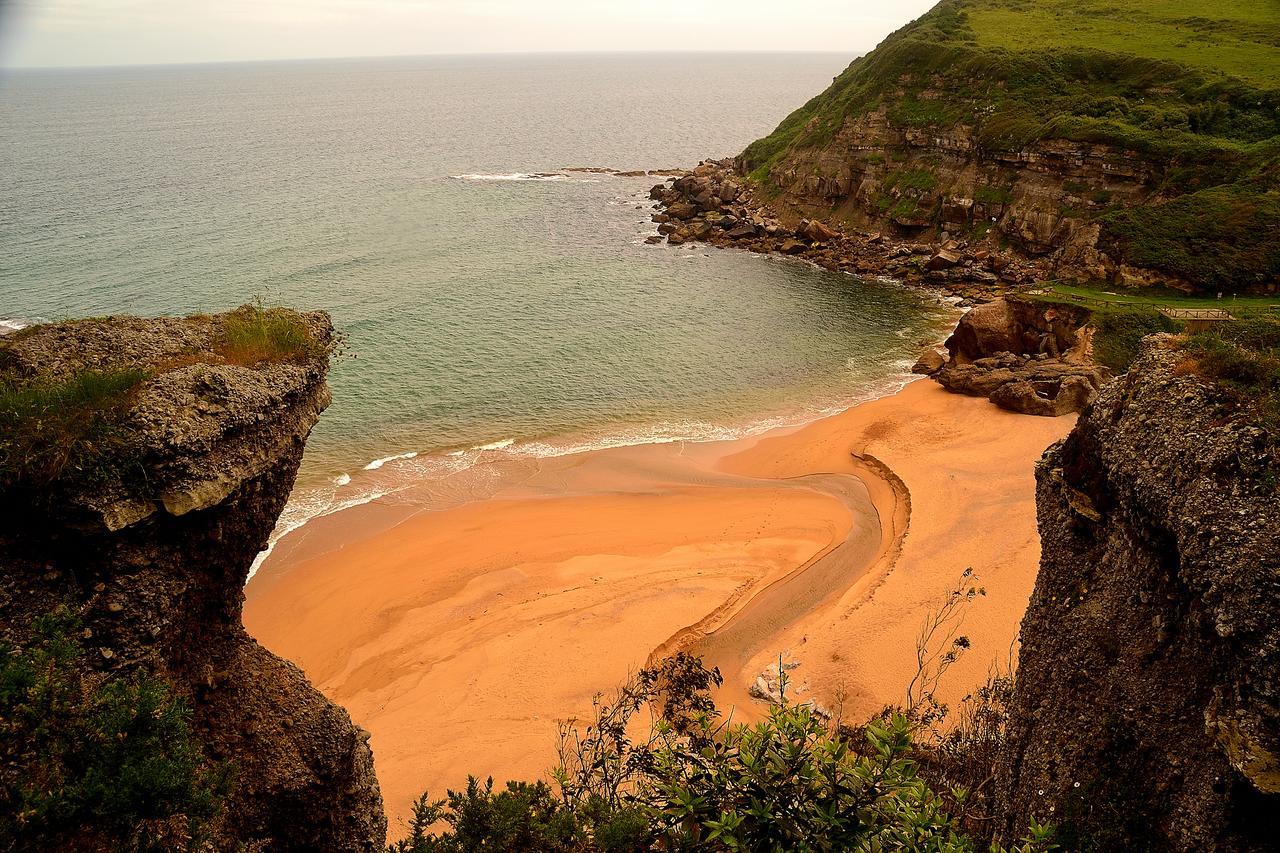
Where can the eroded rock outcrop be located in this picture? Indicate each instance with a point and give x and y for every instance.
(1024, 356)
(151, 545)
(1147, 708)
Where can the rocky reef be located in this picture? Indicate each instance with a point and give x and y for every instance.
(1146, 709)
(148, 535)
(715, 204)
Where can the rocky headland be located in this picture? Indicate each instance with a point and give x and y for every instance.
(714, 203)
(145, 527)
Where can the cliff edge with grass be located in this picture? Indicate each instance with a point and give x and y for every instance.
(143, 464)
(1130, 142)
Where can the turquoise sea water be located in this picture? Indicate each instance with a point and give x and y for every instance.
(487, 311)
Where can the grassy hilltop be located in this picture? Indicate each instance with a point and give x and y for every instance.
(1190, 86)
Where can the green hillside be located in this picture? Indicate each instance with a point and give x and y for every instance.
(1238, 38)
(1189, 86)
(1191, 78)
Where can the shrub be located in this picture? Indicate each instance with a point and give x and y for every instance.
(992, 195)
(1119, 332)
(1221, 238)
(86, 757)
(921, 180)
(521, 817)
(698, 783)
(1245, 357)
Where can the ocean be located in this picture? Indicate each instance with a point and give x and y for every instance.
(495, 306)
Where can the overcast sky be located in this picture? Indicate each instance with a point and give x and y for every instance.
(128, 32)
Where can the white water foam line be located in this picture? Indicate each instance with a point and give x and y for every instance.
(526, 176)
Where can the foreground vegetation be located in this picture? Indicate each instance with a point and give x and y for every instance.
(796, 781)
(1245, 358)
(95, 762)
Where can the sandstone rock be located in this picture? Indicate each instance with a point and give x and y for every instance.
(792, 247)
(1045, 397)
(817, 232)
(930, 361)
(682, 210)
(985, 330)
(742, 232)
(945, 259)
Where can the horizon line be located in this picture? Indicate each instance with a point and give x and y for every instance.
(372, 56)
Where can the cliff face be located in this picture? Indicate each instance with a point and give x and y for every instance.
(876, 174)
(1147, 708)
(991, 122)
(151, 544)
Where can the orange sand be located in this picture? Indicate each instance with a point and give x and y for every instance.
(459, 637)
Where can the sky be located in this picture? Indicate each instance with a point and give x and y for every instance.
(144, 32)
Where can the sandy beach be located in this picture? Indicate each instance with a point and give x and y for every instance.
(459, 637)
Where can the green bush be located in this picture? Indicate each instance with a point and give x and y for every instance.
(1120, 331)
(1245, 357)
(1221, 238)
(921, 180)
(697, 783)
(521, 817)
(88, 762)
(992, 195)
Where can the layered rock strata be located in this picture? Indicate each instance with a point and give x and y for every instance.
(714, 204)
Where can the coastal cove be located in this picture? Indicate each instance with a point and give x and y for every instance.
(517, 608)
(491, 317)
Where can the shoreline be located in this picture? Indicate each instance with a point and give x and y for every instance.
(330, 494)
(458, 636)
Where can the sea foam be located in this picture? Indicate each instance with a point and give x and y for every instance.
(378, 463)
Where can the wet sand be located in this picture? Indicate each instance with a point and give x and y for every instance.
(458, 637)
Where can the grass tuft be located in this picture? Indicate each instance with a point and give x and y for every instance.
(252, 335)
(76, 423)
